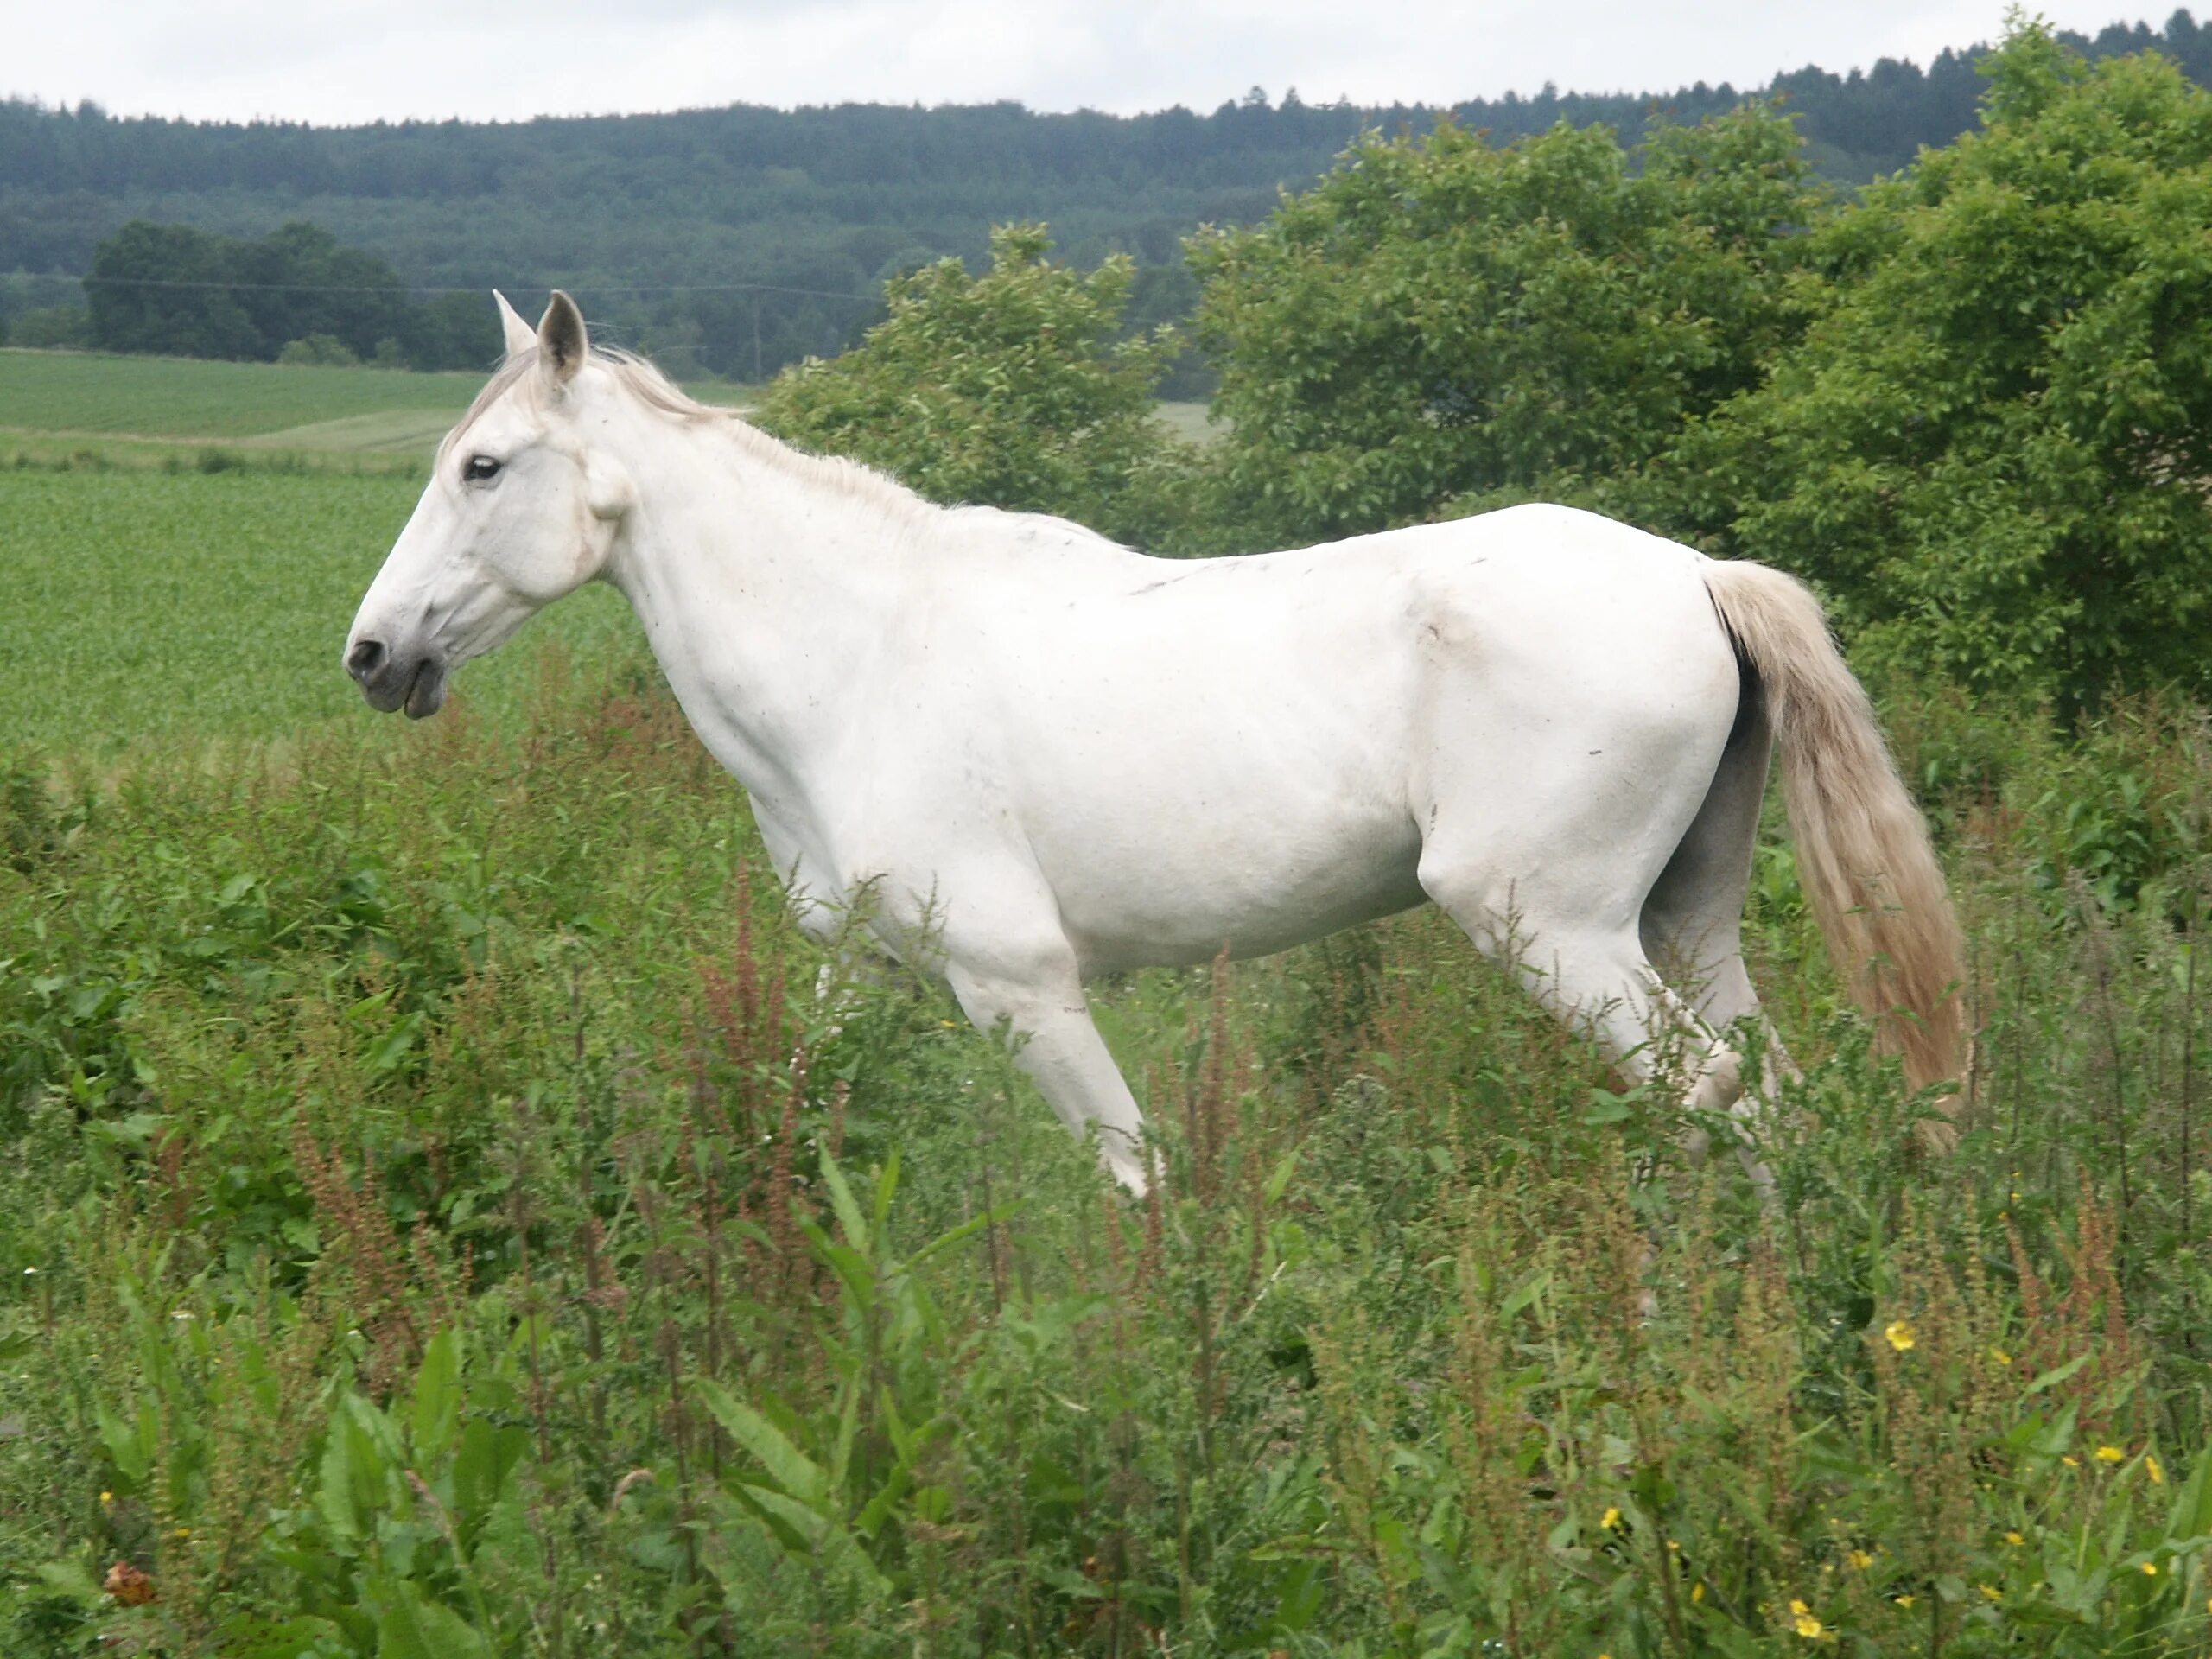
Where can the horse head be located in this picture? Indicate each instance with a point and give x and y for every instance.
(521, 509)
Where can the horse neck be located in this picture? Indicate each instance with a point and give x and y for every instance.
(765, 581)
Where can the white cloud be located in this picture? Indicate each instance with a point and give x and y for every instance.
(349, 61)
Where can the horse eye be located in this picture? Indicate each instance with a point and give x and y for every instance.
(479, 467)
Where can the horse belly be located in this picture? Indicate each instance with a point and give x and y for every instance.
(1203, 881)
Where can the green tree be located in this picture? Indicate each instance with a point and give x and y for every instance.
(164, 288)
(450, 331)
(1441, 317)
(1993, 445)
(1009, 389)
(300, 281)
(187, 293)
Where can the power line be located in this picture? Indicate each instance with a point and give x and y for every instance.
(436, 287)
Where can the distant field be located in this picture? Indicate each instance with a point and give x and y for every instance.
(1188, 421)
(141, 605)
(265, 405)
(158, 396)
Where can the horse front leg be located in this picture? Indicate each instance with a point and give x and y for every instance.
(1039, 1002)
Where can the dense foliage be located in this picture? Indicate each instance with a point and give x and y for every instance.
(1011, 389)
(1443, 317)
(776, 227)
(445, 1210)
(1993, 446)
(186, 293)
(1972, 404)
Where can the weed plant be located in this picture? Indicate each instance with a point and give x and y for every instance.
(448, 1208)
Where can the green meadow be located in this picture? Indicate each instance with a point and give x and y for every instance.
(142, 606)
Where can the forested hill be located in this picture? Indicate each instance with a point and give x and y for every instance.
(815, 204)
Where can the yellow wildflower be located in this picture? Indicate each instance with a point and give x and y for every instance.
(182, 1532)
(1862, 1559)
(1901, 1335)
(107, 1500)
(1697, 1593)
(2150, 1569)
(1803, 1621)
(2000, 1356)
(2014, 1539)
(1989, 1590)
(2070, 1461)
(1612, 1521)
(2110, 1454)
(1906, 1601)
(2150, 1468)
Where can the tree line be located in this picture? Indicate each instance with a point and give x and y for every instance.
(296, 294)
(773, 231)
(1973, 402)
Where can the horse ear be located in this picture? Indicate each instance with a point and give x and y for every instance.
(520, 336)
(562, 341)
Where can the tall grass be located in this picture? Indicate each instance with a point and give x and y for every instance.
(448, 1208)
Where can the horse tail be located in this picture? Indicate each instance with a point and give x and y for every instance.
(1863, 858)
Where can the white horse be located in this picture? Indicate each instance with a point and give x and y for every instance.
(1062, 758)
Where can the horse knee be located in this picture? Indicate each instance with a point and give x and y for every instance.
(1719, 1084)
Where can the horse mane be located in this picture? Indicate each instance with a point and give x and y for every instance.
(911, 512)
(642, 380)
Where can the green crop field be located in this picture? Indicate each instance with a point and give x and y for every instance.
(144, 605)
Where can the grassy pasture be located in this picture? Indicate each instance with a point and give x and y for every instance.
(187, 541)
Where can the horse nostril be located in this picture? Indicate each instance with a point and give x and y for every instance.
(365, 658)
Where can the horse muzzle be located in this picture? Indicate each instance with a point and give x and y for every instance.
(390, 681)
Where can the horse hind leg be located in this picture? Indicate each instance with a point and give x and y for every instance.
(1692, 922)
(1591, 974)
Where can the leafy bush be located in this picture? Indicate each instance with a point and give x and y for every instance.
(1442, 318)
(326, 350)
(1007, 389)
(1990, 447)
(52, 326)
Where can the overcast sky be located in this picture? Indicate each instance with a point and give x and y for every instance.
(349, 60)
